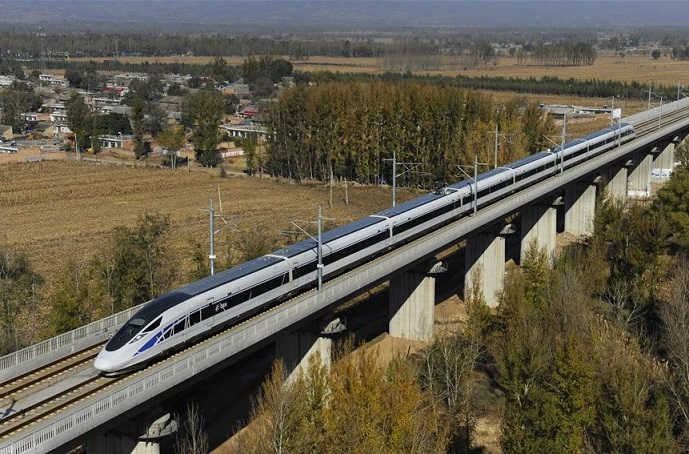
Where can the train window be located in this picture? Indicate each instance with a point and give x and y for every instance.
(207, 312)
(303, 269)
(426, 217)
(153, 325)
(268, 285)
(237, 298)
(180, 325)
(194, 318)
(125, 334)
(359, 245)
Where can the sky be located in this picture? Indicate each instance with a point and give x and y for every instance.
(352, 13)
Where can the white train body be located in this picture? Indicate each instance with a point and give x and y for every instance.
(195, 310)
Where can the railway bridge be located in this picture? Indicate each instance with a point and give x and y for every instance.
(52, 399)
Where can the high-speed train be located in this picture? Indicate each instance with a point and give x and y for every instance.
(197, 309)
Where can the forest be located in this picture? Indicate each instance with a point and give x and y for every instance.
(351, 129)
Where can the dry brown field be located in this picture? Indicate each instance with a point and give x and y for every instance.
(54, 210)
(637, 66)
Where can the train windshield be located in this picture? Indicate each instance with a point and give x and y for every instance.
(126, 333)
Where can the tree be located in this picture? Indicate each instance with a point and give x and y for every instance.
(635, 238)
(219, 69)
(73, 302)
(199, 257)
(356, 406)
(138, 126)
(279, 417)
(262, 87)
(249, 146)
(111, 124)
(192, 438)
(231, 104)
(655, 53)
(172, 138)
(632, 412)
(541, 347)
(74, 77)
(266, 66)
(78, 118)
(137, 266)
(523, 354)
(95, 142)
(673, 205)
(377, 409)
(449, 367)
(155, 119)
(149, 238)
(147, 90)
(175, 89)
(447, 373)
(205, 110)
(536, 127)
(255, 244)
(19, 285)
(17, 100)
(674, 313)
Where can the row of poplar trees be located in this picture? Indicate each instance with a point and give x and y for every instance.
(354, 129)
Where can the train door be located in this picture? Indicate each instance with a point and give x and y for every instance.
(290, 275)
(210, 319)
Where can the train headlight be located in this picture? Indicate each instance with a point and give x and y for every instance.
(136, 338)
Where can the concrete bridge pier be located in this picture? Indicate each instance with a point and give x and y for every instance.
(639, 181)
(485, 263)
(664, 162)
(412, 302)
(580, 207)
(615, 181)
(136, 437)
(296, 347)
(539, 225)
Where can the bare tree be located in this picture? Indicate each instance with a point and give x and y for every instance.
(448, 374)
(675, 315)
(277, 417)
(193, 439)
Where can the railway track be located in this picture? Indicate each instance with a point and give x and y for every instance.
(33, 381)
(653, 124)
(35, 394)
(76, 388)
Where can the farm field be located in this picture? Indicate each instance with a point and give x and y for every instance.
(55, 210)
(637, 66)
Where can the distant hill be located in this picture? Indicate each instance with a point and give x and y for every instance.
(259, 16)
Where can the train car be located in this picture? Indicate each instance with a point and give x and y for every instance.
(196, 310)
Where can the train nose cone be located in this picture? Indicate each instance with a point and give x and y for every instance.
(103, 364)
